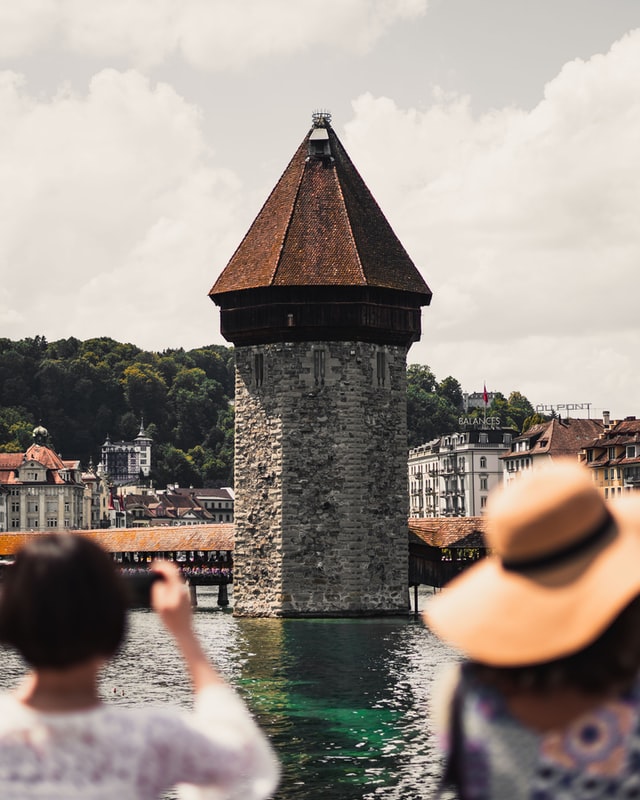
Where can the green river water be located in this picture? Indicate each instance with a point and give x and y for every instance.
(345, 702)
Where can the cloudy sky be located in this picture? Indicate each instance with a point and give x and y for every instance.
(139, 139)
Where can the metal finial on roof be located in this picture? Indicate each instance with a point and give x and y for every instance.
(321, 118)
(40, 435)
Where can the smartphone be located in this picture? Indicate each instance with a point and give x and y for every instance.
(139, 587)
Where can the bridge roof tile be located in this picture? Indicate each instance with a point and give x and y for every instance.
(146, 540)
(449, 531)
(437, 532)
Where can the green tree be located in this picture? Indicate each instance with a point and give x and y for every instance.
(195, 400)
(145, 390)
(173, 465)
(16, 428)
(519, 409)
(429, 414)
(450, 390)
(419, 376)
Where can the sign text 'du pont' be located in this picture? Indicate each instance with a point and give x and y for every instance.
(546, 409)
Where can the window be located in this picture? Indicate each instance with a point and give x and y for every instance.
(52, 522)
(318, 367)
(631, 451)
(612, 452)
(483, 438)
(483, 483)
(483, 501)
(381, 367)
(258, 368)
(15, 506)
(483, 462)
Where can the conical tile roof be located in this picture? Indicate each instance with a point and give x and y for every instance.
(321, 226)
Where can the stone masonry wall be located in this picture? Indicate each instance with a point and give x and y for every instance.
(320, 477)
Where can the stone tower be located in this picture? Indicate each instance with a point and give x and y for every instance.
(322, 303)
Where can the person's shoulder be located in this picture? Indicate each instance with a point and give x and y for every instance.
(10, 706)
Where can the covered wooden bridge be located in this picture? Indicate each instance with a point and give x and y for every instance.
(441, 547)
(204, 553)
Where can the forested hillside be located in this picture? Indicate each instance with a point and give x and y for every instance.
(434, 407)
(82, 391)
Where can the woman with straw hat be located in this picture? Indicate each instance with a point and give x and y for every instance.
(546, 703)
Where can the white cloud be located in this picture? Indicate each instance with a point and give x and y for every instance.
(26, 25)
(210, 34)
(525, 224)
(579, 368)
(524, 221)
(113, 213)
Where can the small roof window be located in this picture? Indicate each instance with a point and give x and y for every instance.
(319, 146)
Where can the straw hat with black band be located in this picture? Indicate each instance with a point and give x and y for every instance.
(563, 563)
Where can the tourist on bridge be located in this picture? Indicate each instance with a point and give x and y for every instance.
(63, 607)
(546, 703)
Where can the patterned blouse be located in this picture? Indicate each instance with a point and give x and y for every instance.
(595, 757)
(112, 752)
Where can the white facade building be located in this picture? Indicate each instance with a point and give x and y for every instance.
(127, 462)
(452, 476)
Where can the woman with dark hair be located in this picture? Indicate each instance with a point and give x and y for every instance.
(63, 608)
(546, 703)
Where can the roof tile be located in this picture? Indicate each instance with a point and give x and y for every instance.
(321, 226)
(145, 540)
(449, 531)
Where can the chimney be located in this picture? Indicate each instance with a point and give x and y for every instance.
(606, 419)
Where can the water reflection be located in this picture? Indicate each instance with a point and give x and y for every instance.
(344, 701)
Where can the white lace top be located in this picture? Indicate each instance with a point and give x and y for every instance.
(135, 753)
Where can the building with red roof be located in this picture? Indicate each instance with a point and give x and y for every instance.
(614, 457)
(42, 491)
(542, 443)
